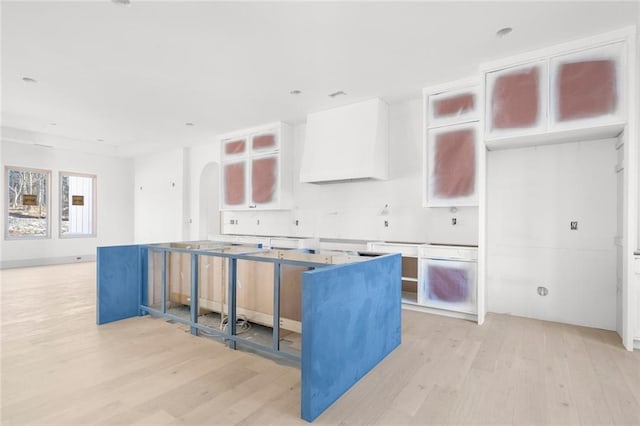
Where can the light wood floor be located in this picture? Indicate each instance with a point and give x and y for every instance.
(58, 367)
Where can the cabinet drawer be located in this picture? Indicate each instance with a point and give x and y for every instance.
(449, 252)
(404, 249)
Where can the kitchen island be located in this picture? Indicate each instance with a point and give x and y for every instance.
(349, 302)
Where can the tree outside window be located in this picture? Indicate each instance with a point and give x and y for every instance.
(27, 203)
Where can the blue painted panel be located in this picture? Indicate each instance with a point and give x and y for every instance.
(351, 320)
(119, 277)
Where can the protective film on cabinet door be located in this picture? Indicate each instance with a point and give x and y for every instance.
(449, 284)
(452, 107)
(452, 166)
(587, 85)
(517, 99)
(264, 179)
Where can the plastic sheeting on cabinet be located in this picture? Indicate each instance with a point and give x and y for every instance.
(452, 166)
(587, 86)
(516, 99)
(452, 106)
(448, 284)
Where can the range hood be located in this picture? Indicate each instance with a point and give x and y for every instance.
(347, 143)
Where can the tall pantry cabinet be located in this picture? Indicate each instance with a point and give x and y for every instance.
(573, 92)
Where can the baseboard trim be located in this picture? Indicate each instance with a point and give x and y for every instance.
(26, 263)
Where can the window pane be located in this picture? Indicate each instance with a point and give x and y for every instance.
(77, 212)
(27, 204)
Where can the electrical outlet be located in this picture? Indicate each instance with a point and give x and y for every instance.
(543, 291)
(386, 223)
(574, 226)
(454, 221)
(297, 222)
(257, 221)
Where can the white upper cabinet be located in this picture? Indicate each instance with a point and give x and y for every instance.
(452, 166)
(587, 87)
(516, 100)
(565, 93)
(455, 105)
(256, 168)
(450, 144)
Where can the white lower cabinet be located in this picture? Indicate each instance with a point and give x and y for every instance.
(409, 252)
(448, 278)
(436, 278)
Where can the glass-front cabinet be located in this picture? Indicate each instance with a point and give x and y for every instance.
(256, 168)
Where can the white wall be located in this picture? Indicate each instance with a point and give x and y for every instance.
(638, 136)
(354, 210)
(200, 157)
(159, 192)
(533, 195)
(114, 204)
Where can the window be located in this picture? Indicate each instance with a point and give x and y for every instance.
(77, 205)
(27, 203)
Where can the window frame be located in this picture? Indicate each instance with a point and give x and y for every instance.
(47, 173)
(94, 209)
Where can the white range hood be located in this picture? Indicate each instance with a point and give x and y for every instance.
(347, 143)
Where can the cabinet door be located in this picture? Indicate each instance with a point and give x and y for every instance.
(448, 284)
(452, 107)
(516, 100)
(234, 147)
(264, 142)
(234, 184)
(587, 87)
(452, 166)
(264, 180)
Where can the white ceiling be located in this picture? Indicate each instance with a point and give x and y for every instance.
(134, 75)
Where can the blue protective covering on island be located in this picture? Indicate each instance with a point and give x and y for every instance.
(351, 320)
(119, 282)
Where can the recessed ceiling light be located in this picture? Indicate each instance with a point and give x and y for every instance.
(338, 93)
(99, 140)
(295, 92)
(29, 80)
(121, 2)
(504, 31)
(189, 124)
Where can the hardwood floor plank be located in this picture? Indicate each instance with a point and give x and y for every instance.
(59, 368)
